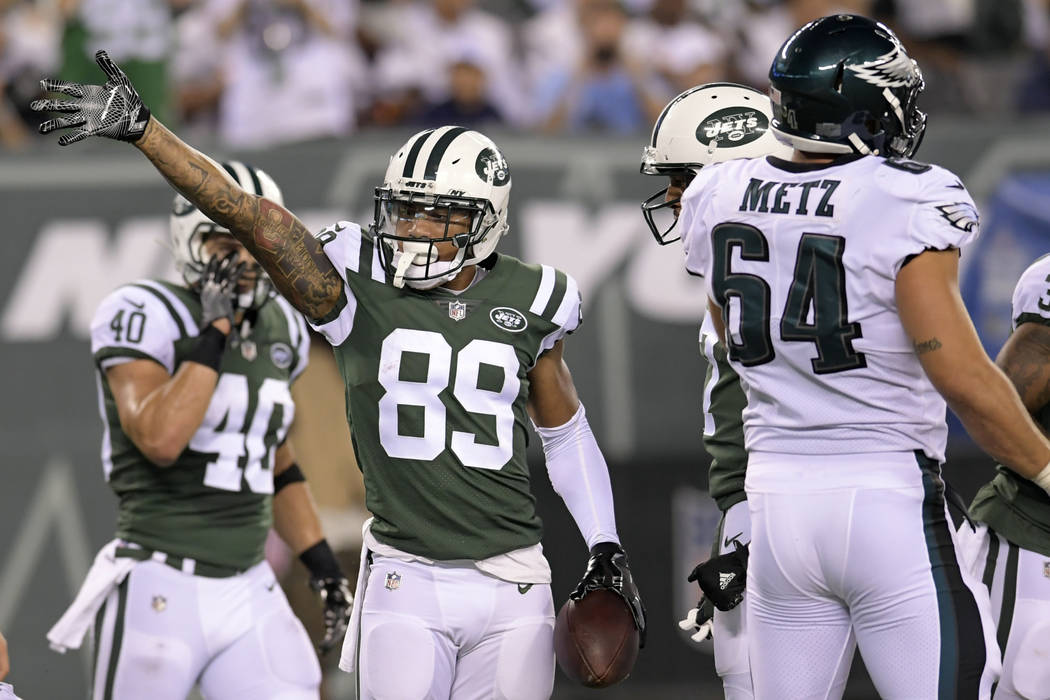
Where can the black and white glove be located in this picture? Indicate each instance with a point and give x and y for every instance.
(113, 110)
(608, 569)
(723, 578)
(219, 288)
(337, 599)
(699, 620)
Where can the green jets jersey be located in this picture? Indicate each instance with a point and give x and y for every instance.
(1011, 505)
(436, 387)
(724, 403)
(214, 503)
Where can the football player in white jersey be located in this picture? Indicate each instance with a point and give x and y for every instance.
(1010, 549)
(710, 124)
(833, 283)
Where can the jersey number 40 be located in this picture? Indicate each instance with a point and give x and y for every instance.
(819, 282)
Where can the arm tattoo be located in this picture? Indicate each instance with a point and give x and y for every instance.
(1026, 361)
(927, 346)
(272, 234)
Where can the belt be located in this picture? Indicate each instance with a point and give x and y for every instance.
(183, 564)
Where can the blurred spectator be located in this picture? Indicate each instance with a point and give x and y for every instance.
(1034, 90)
(467, 104)
(290, 70)
(678, 52)
(29, 48)
(136, 33)
(431, 35)
(607, 88)
(196, 71)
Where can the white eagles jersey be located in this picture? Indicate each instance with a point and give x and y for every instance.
(803, 259)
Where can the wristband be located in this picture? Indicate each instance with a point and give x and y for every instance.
(289, 476)
(1042, 479)
(321, 561)
(209, 348)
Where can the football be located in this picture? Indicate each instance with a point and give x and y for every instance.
(595, 640)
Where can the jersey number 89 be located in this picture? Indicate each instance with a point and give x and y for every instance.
(427, 396)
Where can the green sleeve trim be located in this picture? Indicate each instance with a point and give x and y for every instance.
(340, 304)
(167, 304)
(561, 281)
(117, 351)
(1029, 317)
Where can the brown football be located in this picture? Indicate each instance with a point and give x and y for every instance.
(595, 640)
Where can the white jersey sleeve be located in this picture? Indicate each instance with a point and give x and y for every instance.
(341, 242)
(299, 334)
(141, 320)
(569, 314)
(943, 214)
(695, 235)
(1031, 300)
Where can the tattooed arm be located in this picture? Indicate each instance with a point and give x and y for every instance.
(934, 317)
(273, 235)
(1025, 359)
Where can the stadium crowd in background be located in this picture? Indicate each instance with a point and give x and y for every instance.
(536, 65)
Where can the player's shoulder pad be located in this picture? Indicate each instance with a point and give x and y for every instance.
(341, 242)
(1031, 299)
(943, 212)
(141, 319)
(555, 297)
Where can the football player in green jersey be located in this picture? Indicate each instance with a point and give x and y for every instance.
(1010, 549)
(448, 351)
(709, 124)
(194, 394)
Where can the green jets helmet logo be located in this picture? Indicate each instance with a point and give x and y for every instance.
(508, 319)
(732, 127)
(492, 167)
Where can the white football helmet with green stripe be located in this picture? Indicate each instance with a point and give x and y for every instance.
(441, 174)
(190, 228)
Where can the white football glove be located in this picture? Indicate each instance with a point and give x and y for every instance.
(699, 621)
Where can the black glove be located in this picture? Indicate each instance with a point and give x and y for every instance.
(219, 288)
(337, 599)
(113, 110)
(608, 569)
(699, 620)
(723, 578)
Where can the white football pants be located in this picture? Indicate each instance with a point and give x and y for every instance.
(858, 550)
(1019, 582)
(162, 630)
(431, 632)
(729, 629)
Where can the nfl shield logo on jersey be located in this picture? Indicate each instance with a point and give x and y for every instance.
(457, 310)
(393, 581)
(1046, 569)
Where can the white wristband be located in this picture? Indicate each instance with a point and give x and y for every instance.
(1043, 478)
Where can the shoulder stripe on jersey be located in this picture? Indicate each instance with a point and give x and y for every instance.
(413, 153)
(556, 297)
(543, 294)
(568, 303)
(365, 253)
(169, 301)
(378, 271)
(439, 151)
(353, 249)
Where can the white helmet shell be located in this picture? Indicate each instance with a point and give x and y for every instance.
(709, 124)
(452, 168)
(189, 228)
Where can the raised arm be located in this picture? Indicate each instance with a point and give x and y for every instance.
(273, 235)
(933, 315)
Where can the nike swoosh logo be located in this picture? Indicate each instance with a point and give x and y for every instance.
(957, 186)
(271, 586)
(140, 305)
(523, 588)
(112, 94)
(733, 540)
